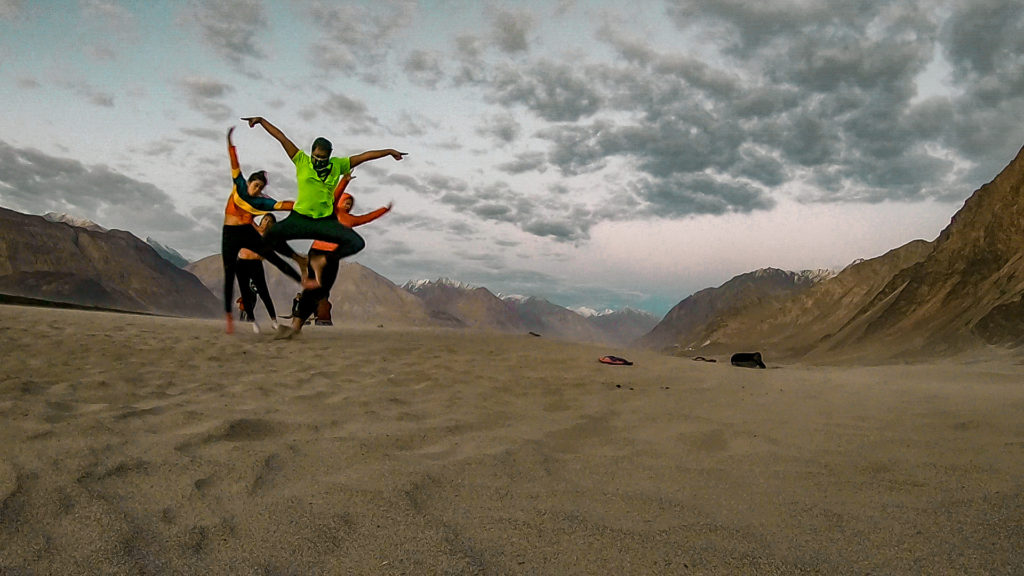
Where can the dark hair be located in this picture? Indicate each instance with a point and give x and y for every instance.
(259, 175)
(323, 144)
(268, 217)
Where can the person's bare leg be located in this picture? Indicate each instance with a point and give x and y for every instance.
(303, 261)
(316, 263)
(231, 323)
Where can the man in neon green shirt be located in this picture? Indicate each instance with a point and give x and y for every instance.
(318, 173)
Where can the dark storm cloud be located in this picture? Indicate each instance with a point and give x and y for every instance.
(984, 41)
(409, 126)
(424, 68)
(502, 128)
(459, 201)
(345, 112)
(204, 133)
(37, 182)
(555, 91)
(761, 167)
(682, 195)
(576, 149)
(804, 92)
(562, 230)
(358, 37)
(532, 161)
(541, 216)
(744, 26)
(510, 30)
(838, 94)
(161, 148)
(983, 35)
(92, 95)
(427, 185)
(460, 228)
(204, 95)
(685, 67)
(231, 27)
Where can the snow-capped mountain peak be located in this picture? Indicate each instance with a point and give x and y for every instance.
(74, 221)
(414, 285)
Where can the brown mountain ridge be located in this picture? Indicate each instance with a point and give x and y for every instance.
(962, 291)
(113, 269)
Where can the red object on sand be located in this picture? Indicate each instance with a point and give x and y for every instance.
(614, 360)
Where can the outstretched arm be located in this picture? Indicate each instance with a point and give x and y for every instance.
(351, 220)
(289, 147)
(373, 155)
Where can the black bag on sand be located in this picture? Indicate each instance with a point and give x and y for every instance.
(747, 360)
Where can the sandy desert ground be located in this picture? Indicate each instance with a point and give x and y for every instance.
(147, 445)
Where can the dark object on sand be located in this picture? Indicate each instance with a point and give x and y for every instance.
(614, 360)
(703, 359)
(748, 360)
(534, 334)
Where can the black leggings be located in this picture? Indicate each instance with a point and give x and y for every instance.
(252, 282)
(236, 237)
(301, 227)
(311, 298)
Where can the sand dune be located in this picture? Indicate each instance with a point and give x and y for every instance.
(147, 445)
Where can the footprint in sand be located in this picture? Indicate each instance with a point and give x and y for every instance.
(239, 430)
(248, 429)
(8, 482)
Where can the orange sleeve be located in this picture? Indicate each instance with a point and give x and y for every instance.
(235, 168)
(352, 220)
(340, 188)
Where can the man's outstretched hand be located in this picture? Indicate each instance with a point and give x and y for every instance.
(253, 120)
(397, 155)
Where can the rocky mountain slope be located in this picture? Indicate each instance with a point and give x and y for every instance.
(963, 290)
(624, 326)
(91, 266)
(460, 305)
(539, 316)
(686, 325)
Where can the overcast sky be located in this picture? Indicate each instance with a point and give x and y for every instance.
(602, 154)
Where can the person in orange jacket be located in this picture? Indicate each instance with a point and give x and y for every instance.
(252, 282)
(324, 259)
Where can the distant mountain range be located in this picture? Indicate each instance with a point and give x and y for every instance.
(963, 290)
(63, 261)
(460, 304)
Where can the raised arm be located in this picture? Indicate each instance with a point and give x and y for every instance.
(236, 170)
(342, 185)
(289, 147)
(373, 155)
